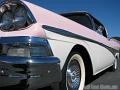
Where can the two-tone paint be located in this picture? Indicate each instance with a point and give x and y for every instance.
(96, 45)
(64, 34)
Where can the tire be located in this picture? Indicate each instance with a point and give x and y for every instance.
(114, 66)
(73, 73)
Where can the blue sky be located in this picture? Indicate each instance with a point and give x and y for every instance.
(106, 11)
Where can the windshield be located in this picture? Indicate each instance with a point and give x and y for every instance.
(22, 50)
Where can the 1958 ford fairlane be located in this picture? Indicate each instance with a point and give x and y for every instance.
(40, 48)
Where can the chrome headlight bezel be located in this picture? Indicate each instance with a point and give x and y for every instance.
(19, 21)
(7, 21)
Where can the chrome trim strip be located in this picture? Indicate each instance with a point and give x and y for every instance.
(73, 35)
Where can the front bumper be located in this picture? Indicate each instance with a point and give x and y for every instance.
(32, 73)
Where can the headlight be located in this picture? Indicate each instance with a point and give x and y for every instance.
(20, 17)
(7, 21)
(14, 15)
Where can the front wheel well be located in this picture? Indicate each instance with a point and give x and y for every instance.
(86, 58)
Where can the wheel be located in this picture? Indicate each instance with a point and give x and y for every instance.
(73, 73)
(114, 67)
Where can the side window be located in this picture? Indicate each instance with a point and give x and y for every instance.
(81, 19)
(99, 28)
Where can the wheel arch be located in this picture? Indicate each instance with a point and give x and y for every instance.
(86, 57)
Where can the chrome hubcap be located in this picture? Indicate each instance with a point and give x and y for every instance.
(73, 75)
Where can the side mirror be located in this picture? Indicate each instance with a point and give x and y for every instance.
(103, 31)
(100, 29)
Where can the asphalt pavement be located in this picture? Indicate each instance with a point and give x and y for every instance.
(107, 80)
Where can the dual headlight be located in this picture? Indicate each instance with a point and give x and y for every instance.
(13, 16)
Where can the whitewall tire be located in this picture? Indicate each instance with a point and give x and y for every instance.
(74, 73)
(115, 65)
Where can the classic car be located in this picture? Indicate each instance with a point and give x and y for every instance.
(40, 48)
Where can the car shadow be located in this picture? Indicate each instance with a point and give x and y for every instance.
(93, 78)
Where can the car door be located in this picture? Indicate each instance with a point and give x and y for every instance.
(103, 51)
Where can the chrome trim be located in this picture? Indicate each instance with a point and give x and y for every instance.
(12, 2)
(73, 75)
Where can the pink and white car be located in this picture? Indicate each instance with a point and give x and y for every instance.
(35, 42)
